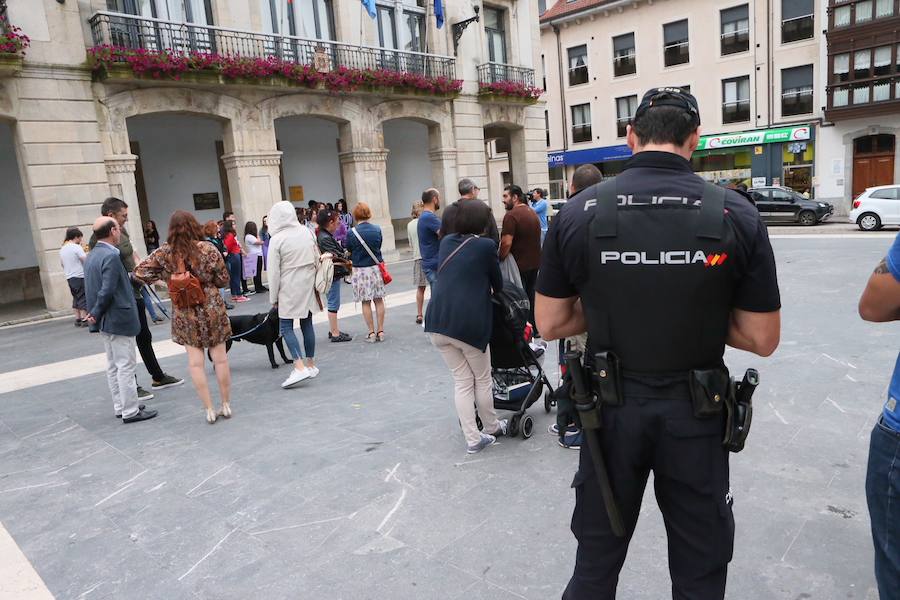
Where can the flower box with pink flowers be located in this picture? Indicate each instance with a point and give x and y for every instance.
(110, 62)
(508, 91)
(13, 44)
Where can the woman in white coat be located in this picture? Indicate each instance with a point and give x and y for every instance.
(293, 253)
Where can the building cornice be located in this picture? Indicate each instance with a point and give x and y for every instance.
(363, 156)
(120, 163)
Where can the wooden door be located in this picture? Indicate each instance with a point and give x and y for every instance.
(871, 171)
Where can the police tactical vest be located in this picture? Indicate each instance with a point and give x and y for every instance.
(661, 277)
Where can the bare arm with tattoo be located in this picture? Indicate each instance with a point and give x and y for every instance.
(880, 301)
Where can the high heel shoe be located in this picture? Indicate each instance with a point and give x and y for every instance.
(225, 411)
(210, 416)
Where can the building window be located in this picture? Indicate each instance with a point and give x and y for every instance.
(624, 62)
(841, 97)
(863, 12)
(735, 30)
(676, 50)
(884, 8)
(625, 108)
(736, 99)
(882, 62)
(797, 20)
(557, 182)
(862, 62)
(842, 16)
(544, 72)
(861, 94)
(412, 31)
(841, 68)
(547, 126)
(581, 123)
(797, 90)
(578, 71)
(495, 33)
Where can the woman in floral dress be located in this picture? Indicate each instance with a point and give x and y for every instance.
(200, 327)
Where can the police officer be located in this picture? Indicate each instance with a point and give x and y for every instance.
(662, 270)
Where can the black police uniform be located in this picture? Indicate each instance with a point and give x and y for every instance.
(658, 277)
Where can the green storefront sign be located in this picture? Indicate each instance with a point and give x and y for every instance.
(753, 138)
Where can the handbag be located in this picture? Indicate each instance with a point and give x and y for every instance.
(185, 289)
(382, 267)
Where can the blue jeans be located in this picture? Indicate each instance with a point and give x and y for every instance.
(334, 296)
(883, 497)
(430, 277)
(290, 338)
(148, 303)
(235, 265)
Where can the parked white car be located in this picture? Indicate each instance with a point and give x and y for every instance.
(877, 206)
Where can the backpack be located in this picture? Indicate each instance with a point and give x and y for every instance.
(324, 273)
(185, 289)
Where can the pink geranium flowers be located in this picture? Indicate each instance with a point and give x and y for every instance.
(12, 40)
(511, 89)
(170, 64)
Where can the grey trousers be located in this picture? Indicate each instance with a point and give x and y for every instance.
(121, 359)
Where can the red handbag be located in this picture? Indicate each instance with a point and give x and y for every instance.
(384, 273)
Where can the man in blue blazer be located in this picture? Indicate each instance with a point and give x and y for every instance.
(112, 311)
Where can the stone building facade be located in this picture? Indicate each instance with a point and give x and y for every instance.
(70, 135)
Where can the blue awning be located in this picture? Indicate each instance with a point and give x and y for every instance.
(588, 155)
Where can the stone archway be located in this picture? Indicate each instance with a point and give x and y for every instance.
(249, 155)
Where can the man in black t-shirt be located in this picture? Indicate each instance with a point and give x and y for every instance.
(662, 270)
(468, 192)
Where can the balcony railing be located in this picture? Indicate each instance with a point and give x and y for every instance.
(135, 32)
(498, 73)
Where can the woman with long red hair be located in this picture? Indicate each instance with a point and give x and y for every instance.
(200, 322)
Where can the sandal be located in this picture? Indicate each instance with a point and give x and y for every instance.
(418, 319)
(371, 338)
(380, 336)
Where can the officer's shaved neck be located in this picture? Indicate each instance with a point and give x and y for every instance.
(685, 151)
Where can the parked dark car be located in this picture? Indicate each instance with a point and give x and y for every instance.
(784, 205)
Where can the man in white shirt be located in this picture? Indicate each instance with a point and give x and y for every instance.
(72, 257)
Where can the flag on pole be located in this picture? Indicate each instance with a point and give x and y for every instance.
(439, 13)
(370, 7)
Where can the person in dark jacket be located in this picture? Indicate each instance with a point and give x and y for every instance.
(329, 222)
(459, 319)
(364, 244)
(211, 231)
(113, 312)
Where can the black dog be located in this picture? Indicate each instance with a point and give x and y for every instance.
(258, 329)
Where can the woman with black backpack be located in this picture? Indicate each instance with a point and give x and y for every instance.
(329, 222)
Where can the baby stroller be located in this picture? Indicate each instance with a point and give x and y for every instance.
(516, 365)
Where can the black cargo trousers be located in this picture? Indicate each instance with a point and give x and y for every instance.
(655, 430)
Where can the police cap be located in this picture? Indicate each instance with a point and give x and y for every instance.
(668, 96)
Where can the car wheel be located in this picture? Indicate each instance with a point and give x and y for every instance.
(869, 222)
(807, 218)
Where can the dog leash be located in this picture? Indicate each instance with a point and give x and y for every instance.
(156, 300)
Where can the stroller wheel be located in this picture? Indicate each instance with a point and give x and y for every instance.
(547, 402)
(513, 429)
(527, 426)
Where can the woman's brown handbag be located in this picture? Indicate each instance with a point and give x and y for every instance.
(185, 289)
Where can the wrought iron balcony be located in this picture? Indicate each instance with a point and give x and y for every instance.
(136, 32)
(499, 73)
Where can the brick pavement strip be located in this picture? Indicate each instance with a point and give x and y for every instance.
(18, 579)
(356, 485)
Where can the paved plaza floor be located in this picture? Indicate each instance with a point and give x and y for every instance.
(356, 485)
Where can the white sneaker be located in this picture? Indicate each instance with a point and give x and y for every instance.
(313, 371)
(296, 377)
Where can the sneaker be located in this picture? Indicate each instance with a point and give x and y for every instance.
(554, 429)
(249, 292)
(571, 440)
(141, 415)
(295, 377)
(229, 306)
(158, 320)
(486, 440)
(144, 394)
(240, 299)
(167, 381)
(313, 371)
(261, 289)
(502, 427)
(341, 337)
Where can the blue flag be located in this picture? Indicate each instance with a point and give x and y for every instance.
(370, 7)
(439, 13)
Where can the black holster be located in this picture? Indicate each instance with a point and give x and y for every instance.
(710, 389)
(739, 411)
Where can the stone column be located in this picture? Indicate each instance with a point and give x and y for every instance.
(443, 173)
(120, 173)
(254, 183)
(365, 179)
